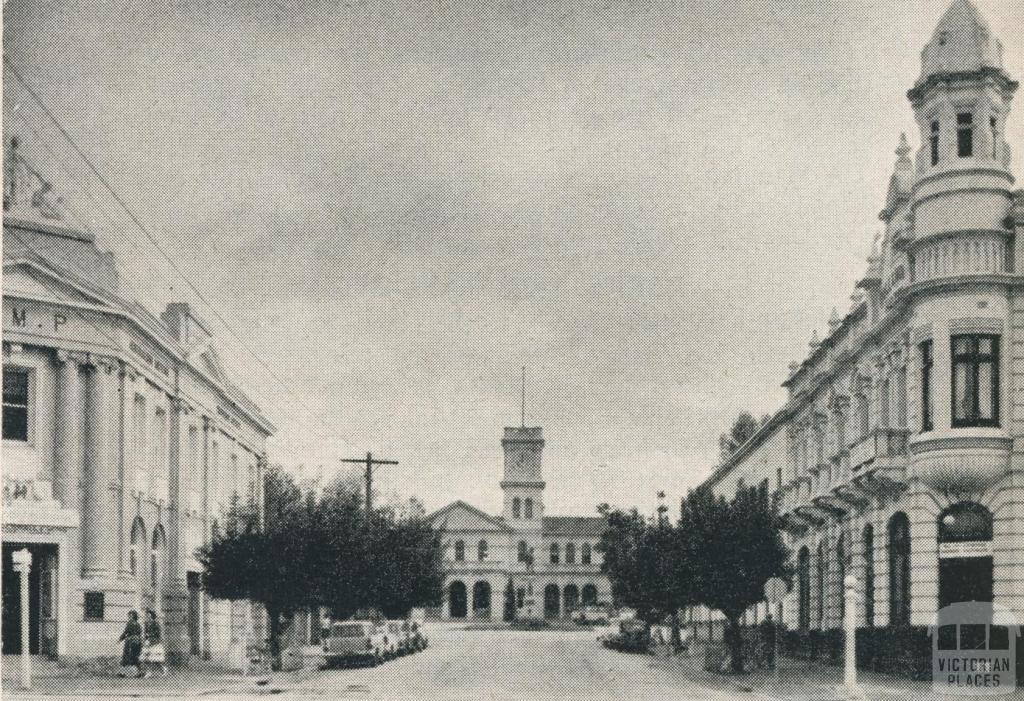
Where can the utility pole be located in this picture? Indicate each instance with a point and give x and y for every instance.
(370, 462)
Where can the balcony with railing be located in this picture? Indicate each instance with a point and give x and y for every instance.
(878, 462)
(875, 464)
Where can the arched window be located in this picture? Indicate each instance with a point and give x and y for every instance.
(869, 576)
(822, 562)
(965, 522)
(589, 595)
(570, 553)
(899, 570)
(156, 561)
(516, 508)
(137, 543)
(554, 553)
(804, 576)
(481, 550)
(528, 508)
(460, 551)
(585, 554)
(524, 555)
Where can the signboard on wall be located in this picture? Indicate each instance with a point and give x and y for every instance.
(977, 548)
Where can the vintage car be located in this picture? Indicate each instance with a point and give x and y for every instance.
(355, 641)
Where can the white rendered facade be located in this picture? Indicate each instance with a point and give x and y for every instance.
(124, 443)
(898, 457)
(551, 561)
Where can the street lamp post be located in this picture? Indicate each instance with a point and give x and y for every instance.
(22, 560)
(850, 690)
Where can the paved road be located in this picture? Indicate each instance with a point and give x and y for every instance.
(500, 665)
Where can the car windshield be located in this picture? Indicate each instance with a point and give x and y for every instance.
(349, 630)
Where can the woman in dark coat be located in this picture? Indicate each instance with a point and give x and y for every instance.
(132, 637)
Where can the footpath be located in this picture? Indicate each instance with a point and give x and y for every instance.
(99, 679)
(796, 680)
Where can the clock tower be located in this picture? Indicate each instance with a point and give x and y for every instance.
(523, 484)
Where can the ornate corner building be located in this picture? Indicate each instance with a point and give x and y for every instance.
(124, 442)
(899, 456)
(523, 563)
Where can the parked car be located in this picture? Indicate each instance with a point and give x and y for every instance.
(405, 643)
(393, 639)
(419, 635)
(355, 641)
(589, 615)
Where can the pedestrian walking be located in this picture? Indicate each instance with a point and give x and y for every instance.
(132, 649)
(153, 651)
(769, 637)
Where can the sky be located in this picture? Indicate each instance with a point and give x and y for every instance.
(397, 206)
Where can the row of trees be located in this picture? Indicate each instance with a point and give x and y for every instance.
(718, 554)
(311, 550)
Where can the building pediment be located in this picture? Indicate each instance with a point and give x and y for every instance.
(27, 279)
(460, 516)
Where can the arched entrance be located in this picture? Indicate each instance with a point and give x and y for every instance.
(589, 595)
(457, 600)
(965, 554)
(551, 601)
(482, 600)
(572, 598)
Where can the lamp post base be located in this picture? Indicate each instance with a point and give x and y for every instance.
(853, 692)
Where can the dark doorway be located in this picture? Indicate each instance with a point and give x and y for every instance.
(482, 600)
(41, 583)
(457, 600)
(589, 595)
(964, 579)
(194, 607)
(572, 599)
(551, 601)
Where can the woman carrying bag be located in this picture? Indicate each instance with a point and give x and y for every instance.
(153, 651)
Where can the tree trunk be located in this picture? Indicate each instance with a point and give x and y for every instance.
(677, 640)
(274, 641)
(734, 639)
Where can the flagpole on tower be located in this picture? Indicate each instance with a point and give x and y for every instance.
(522, 406)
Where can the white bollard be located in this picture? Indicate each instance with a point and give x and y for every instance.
(22, 561)
(850, 689)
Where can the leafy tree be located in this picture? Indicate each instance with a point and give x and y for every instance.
(312, 550)
(735, 547)
(261, 559)
(644, 562)
(742, 429)
(510, 601)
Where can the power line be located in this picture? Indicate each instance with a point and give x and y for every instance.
(115, 343)
(138, 223)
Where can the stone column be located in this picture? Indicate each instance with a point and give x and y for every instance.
(175, 593)
(99, 539)
(67, 439)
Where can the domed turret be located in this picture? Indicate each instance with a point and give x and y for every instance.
(962, 43)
